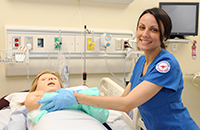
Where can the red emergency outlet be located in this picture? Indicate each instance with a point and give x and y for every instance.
(16, 42)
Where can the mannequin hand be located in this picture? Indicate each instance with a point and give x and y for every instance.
(64, 99)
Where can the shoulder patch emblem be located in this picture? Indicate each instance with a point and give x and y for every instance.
(163, 67)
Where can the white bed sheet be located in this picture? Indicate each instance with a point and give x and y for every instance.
(4, 117)
(74, 119)
(119, 125)
(68, 119)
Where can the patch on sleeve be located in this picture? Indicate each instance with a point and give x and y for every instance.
(163, 67)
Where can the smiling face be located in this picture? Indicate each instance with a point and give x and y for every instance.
(48, 83)
(148, 33)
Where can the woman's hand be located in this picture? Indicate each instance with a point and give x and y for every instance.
(64, 99)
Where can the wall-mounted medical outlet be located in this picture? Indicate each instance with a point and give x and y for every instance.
(90, 44)
(72, 48)
(118, 44)
(40, 42)
(16, 42)
(57, 43)
(106, 39)
(124, 42)
(29, 40)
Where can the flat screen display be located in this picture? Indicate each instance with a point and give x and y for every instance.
(184, 18)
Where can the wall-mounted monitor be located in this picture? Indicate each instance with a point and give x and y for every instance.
(184, 16)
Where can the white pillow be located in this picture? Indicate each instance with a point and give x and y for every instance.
(19, 96)
(15, 99)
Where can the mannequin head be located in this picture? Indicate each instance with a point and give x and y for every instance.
(45, 81)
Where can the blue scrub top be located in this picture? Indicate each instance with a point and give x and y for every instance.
(164, 111)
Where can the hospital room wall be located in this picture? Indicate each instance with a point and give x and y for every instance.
(69, 13)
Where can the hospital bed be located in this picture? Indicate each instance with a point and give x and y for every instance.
(69, 119)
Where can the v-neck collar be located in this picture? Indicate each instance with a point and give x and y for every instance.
(151, 65)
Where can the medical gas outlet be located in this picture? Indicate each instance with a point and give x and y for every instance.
(57, 43)
(90, 44)
(106, 40)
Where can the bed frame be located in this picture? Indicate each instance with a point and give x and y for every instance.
(109, 88)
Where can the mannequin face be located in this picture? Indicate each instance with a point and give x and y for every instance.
(32, 99)
(48, 83)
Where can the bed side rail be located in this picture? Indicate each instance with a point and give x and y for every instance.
(109, 88)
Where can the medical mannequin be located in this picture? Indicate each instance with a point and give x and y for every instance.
(156, 83)
(49, 85)
(32, 99)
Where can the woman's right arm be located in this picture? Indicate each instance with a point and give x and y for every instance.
(129, 99)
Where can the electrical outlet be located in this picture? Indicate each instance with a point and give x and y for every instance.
(174, 46)
(29, 40)
(118, 44)
(16, 42)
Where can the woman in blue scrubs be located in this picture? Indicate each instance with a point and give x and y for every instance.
(156, 83)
